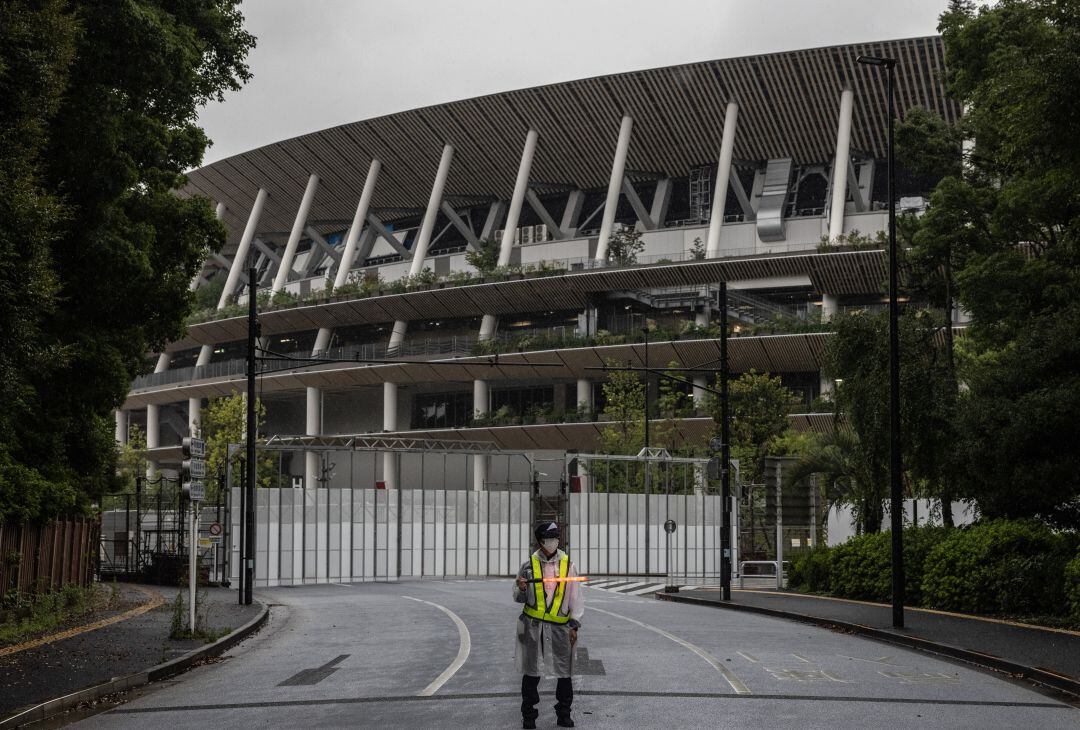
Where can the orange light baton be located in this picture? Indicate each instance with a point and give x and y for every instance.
(568, 579)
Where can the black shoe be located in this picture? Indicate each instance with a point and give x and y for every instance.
(528, 724)
(565, 722)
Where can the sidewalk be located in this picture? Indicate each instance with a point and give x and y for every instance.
(133, 645)
(1048, 656)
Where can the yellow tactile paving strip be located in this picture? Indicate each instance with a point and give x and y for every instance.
(155, 599)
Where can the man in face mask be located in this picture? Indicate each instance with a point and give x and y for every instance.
(548, 626)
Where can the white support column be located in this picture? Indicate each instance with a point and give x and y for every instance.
(423, 238)
(723, 179)
(121, 427)
(240, 258)
(585, 395)
(521, 187)
(322, 340)
(390, 423)
(294, 236)
(481, 406)
(194, 420)
(830, 307)
(313, 427)
(618, 169)
(840, 166)
(513, 215)
(153, 437)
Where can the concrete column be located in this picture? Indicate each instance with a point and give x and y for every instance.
(300, 221)
(521, 187)
(513, 215)
(723, 179)
(313, 427)
(618, 170)
(840, 166)
(829, 307)
(322, 340)
(153, 426)
(423, 238)
(585, 395)
(481, 405)
(390, 423)
(121, 426)
(194, 416)
(240, 258)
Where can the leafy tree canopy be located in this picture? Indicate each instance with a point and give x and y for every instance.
(96, 251)
(1004, 231)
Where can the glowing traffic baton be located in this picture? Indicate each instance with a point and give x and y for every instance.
(568, 579)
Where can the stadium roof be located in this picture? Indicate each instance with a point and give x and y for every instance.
(788, 108)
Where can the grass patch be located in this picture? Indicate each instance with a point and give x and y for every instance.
(24, 617)
(178, 626)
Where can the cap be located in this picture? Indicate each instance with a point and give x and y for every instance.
(546, 530)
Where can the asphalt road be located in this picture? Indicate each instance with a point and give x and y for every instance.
(440, 654)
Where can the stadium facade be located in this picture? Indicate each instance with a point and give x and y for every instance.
(732, 171)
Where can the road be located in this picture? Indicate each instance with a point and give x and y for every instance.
(440, 654)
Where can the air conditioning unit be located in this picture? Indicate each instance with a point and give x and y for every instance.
(540, 232)
(499, 235)
(526, 234)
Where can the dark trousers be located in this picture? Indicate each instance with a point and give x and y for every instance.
(564, 696)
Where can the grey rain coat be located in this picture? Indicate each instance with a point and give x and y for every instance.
(543, 648)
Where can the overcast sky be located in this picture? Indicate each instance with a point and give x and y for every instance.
(320, 63)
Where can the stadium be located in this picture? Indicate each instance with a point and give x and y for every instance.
(765, 172)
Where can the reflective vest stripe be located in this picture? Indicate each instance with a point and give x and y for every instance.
(548, 614)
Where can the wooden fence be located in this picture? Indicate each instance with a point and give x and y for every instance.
(36, 558)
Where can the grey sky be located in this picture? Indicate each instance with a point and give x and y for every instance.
(320, 63)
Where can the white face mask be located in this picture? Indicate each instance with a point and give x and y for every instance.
(550, 545)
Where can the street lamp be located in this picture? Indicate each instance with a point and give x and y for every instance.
(895, 485)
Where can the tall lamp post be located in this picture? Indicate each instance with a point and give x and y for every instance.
(896, 508)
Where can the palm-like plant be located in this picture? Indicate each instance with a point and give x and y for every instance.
(848, 476)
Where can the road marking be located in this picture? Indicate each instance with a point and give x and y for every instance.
(748, 657)
(464, 647)
(314, 675)
(801, 657)
(653, 588)
(155, 600)
(734, 681)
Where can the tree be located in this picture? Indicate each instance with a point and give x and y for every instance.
(759, 406)
(847, 476)
(131, 460)
(96, 249)
(484, 259)
(624, 406)
(624, 246)
(858, 355)
(224, 422)
(1010, 225)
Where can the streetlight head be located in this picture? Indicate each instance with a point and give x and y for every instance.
(876, 61)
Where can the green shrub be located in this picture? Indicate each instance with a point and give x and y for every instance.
(810, 570)
(862, 568)
(1072, 587)
(999, 567)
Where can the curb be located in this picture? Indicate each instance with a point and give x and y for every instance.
(1059, 682)
(59, 705)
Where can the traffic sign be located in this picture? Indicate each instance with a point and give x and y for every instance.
(193, 469)
(669, 526)
(215, 528)
(194, 447)
(205, 542)
(196, 491)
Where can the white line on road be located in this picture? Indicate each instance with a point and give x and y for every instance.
(464, 647)
(735, 682)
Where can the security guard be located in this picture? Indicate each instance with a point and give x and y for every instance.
(548, 626)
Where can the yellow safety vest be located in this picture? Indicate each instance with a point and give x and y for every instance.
(542, 611)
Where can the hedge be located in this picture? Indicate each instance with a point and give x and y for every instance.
(1018, 568)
